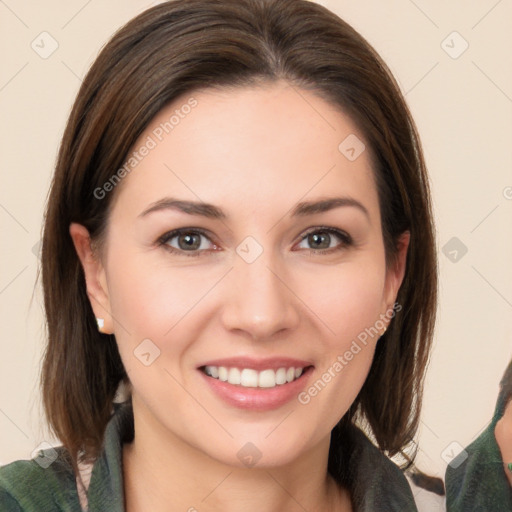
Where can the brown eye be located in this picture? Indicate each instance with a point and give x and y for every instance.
(187, 241)
(319, 240)
(325, 240)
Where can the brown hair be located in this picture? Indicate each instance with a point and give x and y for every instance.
(185, 45)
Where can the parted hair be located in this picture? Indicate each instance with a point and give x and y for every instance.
(182, 46)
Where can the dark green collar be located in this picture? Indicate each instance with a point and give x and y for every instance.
(106, 490)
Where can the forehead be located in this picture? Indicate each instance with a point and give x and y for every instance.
(268, 144)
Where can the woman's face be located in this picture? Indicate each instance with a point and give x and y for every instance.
(279, 264)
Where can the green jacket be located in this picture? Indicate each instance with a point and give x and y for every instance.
(475, 479)
(376, 483)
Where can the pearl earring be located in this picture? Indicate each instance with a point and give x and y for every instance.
(101, 323)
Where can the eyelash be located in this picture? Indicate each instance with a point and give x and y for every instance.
(345, 240)
(164, 240)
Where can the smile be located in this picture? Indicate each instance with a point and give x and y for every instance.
(250, 378)
(260, 390)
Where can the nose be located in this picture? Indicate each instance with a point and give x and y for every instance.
(260, 301)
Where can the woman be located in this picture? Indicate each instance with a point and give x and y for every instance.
(239, 235)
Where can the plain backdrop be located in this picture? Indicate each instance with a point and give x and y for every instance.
(454, 65)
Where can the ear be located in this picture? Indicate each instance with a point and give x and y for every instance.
(95, 278)
(396, 271)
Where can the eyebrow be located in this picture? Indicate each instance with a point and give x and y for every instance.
(191, 207)
(324, 205)
(210, 211)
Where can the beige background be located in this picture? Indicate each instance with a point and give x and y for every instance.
(463, 108)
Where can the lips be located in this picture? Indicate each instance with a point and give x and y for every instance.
(256, 385)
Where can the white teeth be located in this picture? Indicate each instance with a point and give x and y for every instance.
(281, 376)
(250, 378)
(234, 376)
(267, 379)
(223, 374)
(213, 371)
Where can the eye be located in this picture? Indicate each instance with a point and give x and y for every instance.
(325, 240)
(187, 240)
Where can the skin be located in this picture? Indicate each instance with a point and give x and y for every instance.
(254, 152)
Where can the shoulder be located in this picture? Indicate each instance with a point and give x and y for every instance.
(48, 482)
(45, 483)
(376, 482)
(475, 479)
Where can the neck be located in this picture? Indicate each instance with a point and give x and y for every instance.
(181, 477)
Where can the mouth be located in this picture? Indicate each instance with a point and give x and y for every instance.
(257, 389)
(251, 378)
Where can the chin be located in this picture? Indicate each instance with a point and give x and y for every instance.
(245, 452)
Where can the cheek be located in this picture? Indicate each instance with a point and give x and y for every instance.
(158, 303)
(349, 306)
(347, 298)
(150, 305)
(149, 299)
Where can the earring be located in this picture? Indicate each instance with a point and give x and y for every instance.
(101, 323)
(384, 331)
